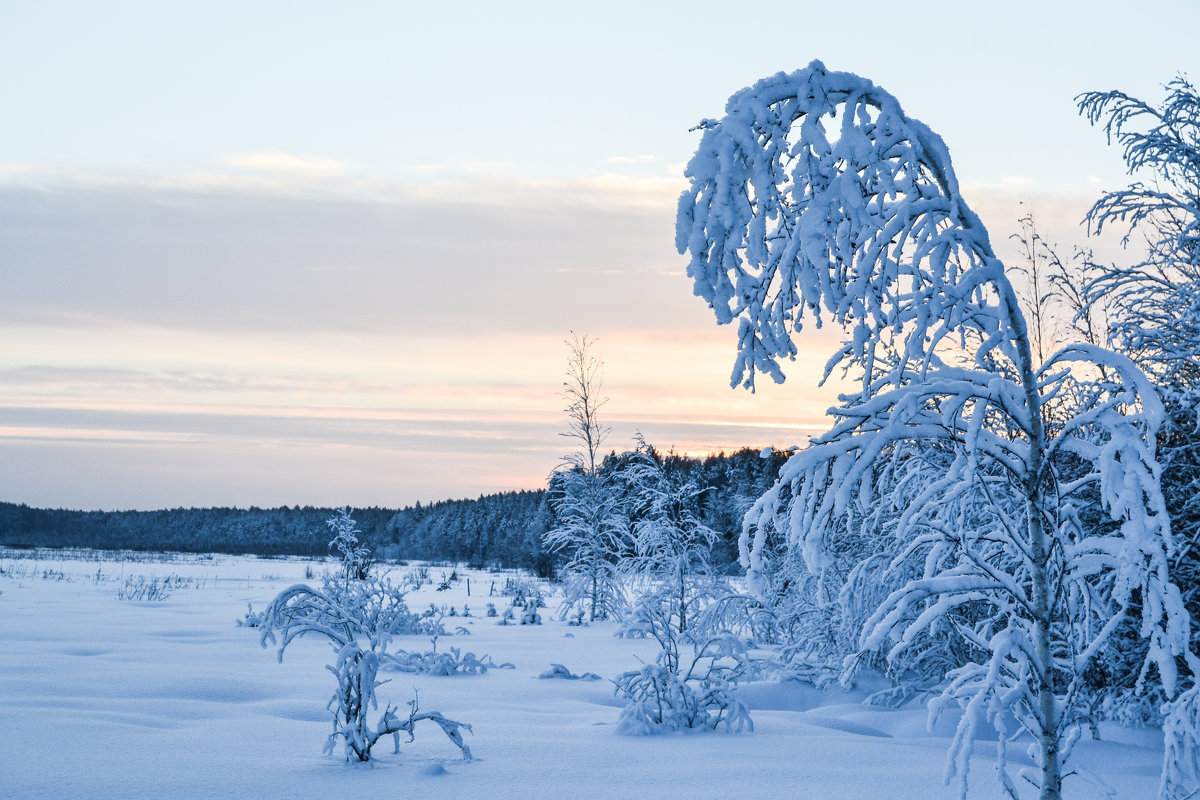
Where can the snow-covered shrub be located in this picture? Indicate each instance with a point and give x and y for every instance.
(417, 576)
(252, 619)
(454, 662)
(380, 605)
(697, 693)
(599, 589)
(681, 689)
(558, 671)
(741, 614)
(1181, 761)
(139, 587)
(358, 649)
(523, 590)
(533, 602)
(446, 580)
(357, 560)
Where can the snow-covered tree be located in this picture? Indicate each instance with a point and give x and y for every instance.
(359, 643)
(590, 525)
(1157, 321)
(1159, 295)
(690, 683)
(816, 198)
(671, 546)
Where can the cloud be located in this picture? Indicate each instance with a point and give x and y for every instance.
(466, 166)
(412, 258)
(642, 159)
(13, 168)
(121, 458)
(375, 344)
(305, 167)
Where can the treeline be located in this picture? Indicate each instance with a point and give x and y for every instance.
(263, 531)
(503, 529)
(497, 529)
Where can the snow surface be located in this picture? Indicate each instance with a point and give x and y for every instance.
(109, 698)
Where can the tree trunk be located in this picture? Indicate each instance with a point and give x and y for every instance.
(1047, 710)
(595, 587)
(1039, 555)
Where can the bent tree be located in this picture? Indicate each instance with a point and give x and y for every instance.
(1044, 537)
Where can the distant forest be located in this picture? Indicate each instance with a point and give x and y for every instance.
(504, 529)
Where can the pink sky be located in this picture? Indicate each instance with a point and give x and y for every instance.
(272, 254)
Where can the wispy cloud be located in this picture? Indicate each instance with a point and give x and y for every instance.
(415, 258)
(306, 167)
(466, 166)
(642, 159)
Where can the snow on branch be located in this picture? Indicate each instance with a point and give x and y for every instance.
(1022, 499)
(815, 195)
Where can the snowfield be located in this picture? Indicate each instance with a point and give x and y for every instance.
(102, 697)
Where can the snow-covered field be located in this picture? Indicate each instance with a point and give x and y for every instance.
(102, 697)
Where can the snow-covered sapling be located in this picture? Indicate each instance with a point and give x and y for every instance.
(356, 558)
(530, 615)
(358, 649)
(671, 545)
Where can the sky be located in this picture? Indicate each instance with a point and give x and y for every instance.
(280, 253)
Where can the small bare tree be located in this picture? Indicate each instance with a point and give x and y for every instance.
(584, 392)
(590, 526)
